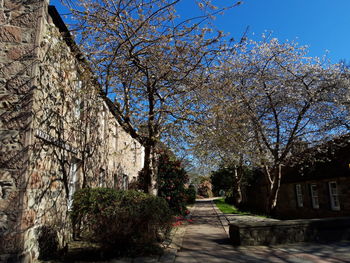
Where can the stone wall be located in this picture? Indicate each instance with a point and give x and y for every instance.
(56, 157)
(290, 231)
(20, 23)
(57, 134)
(123, 149)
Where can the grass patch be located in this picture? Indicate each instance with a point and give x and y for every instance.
(227, 208)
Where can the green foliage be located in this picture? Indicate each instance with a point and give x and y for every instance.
(48, 242)
(190, 195)
(222, 179)
(229, 197)
(227, 208)
(120, 220)
(171, 180)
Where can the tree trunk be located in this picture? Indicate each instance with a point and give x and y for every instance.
(148, 170)
(237, 187)
(275, 184)
(147, 175)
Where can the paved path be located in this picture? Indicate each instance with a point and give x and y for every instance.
(206, 241)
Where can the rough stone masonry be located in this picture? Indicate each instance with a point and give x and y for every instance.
(57, 133)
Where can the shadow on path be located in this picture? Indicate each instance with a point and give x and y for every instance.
(205, 241)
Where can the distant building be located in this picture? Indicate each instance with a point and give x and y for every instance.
(58, 132)
(315, 185)
(318, 185)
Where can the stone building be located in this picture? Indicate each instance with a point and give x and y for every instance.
(317, 185)
(58, 132)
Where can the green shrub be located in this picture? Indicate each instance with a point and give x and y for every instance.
(190, 195)
(222, 179)
(171, 180)
(229, 197)
(48, 242)
(120, 220)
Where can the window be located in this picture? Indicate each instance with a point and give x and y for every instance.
(103, 124)
(116, 138)
(101, 178)
(135, 153)
(115, 181)
(299, 195)
(77, 101)
(125, 182)
(142, 157)
(314, 196)
(333, 194)
(72, 184)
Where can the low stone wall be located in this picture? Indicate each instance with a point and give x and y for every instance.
(290, 231)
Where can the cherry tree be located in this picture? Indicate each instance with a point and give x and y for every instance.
(221, 131)
(148, 60)
(283, 97)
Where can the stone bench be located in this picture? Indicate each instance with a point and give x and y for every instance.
(289, 231)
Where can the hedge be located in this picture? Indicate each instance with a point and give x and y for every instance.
(119, 220)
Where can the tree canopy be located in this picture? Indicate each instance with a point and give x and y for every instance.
(247, 103)
(269, 98)
(148, 60)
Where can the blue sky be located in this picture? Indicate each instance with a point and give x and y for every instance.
(320, 24)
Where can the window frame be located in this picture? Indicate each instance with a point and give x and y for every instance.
(299, 195)
(101, 178)
(125, 182)
(334, 197)
(77, 100)
(314, 196)
(104, 122)
(73, 182)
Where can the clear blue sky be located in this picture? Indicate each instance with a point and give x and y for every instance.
(321, 24)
